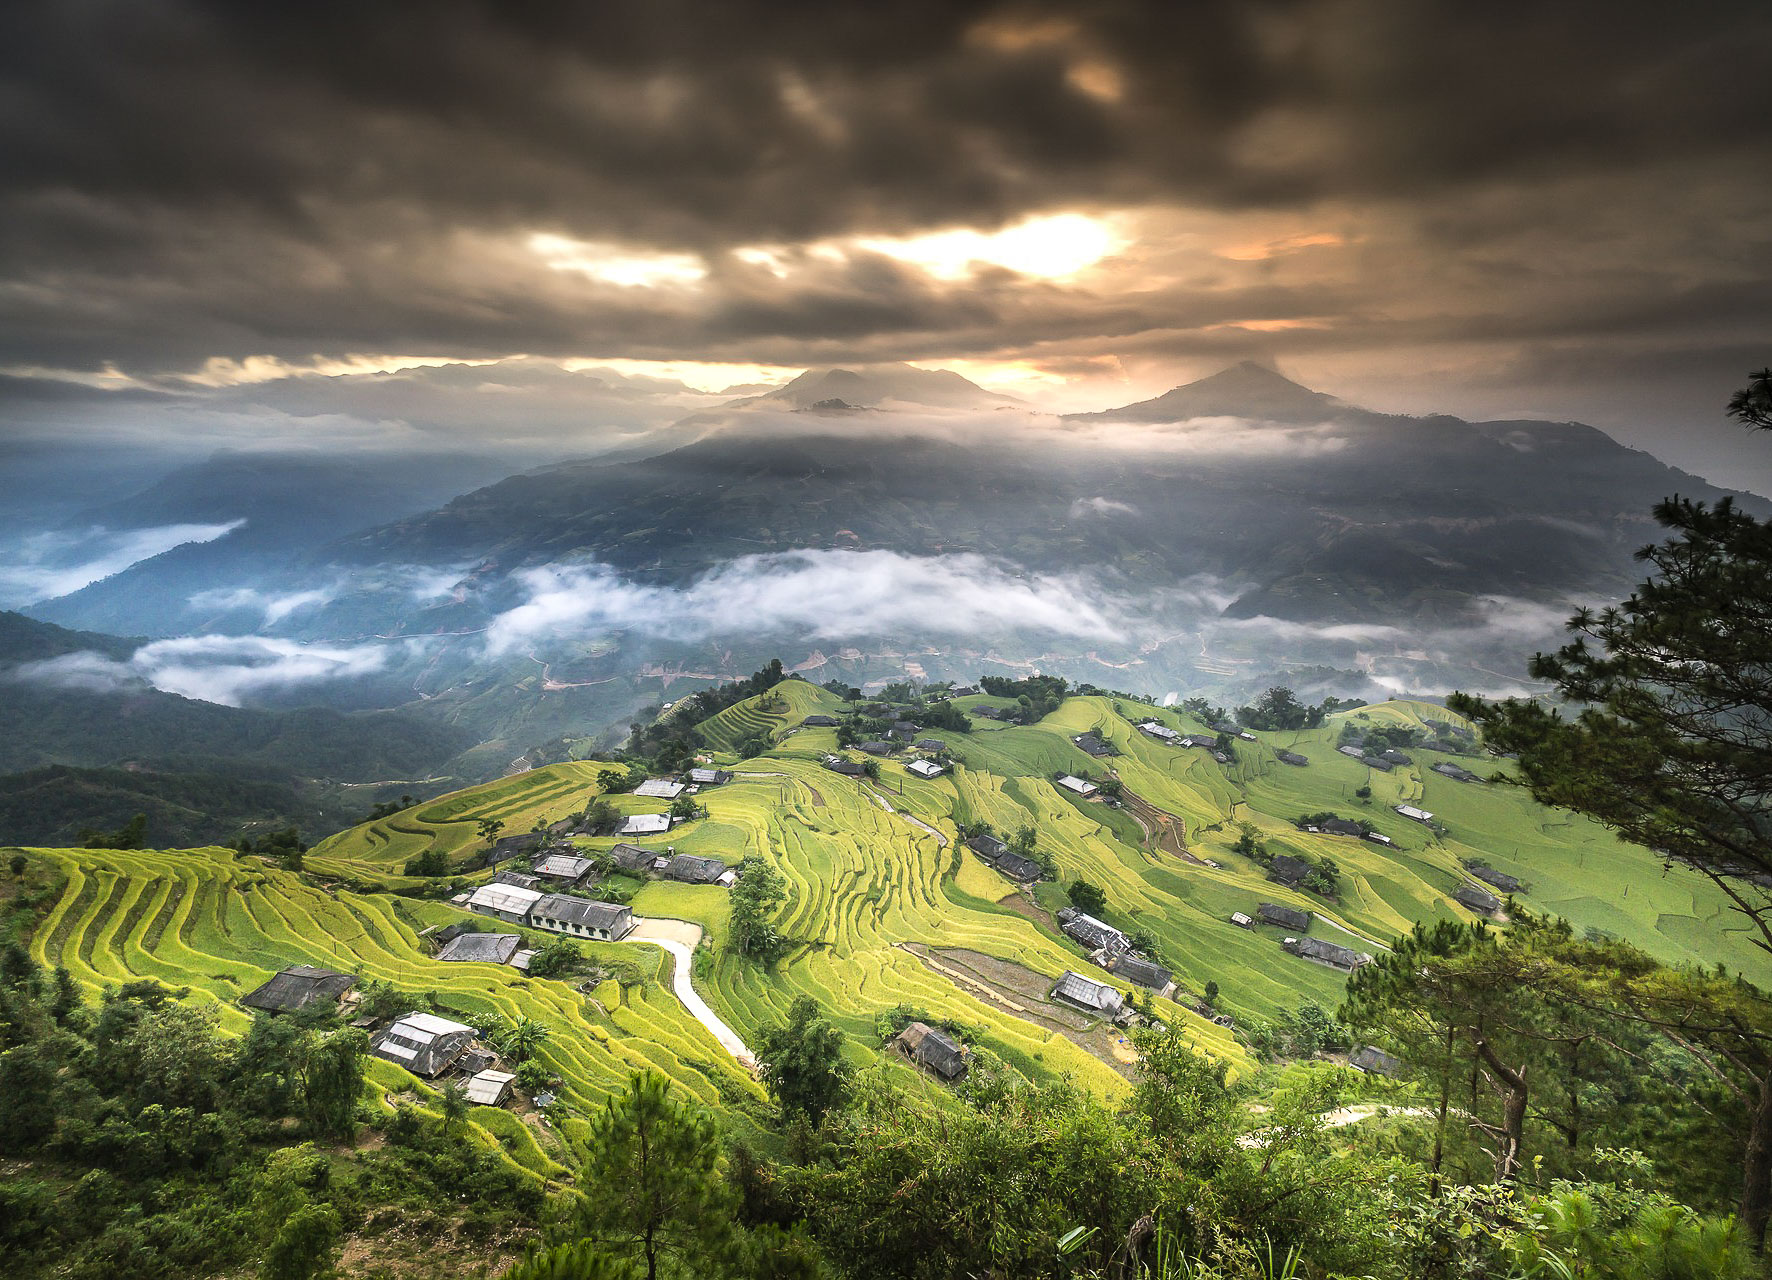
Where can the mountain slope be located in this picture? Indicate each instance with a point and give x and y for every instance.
(1318, 511)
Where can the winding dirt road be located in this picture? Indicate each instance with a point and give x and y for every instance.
(680, 938)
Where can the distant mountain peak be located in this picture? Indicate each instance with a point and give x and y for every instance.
(869, 386)
(1247, 389)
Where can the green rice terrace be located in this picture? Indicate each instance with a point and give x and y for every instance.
(886, 907)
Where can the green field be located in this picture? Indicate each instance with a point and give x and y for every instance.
(879, 907)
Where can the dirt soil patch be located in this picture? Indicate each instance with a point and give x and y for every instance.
(1020, 991)
(1023, 905)
(1164, 832)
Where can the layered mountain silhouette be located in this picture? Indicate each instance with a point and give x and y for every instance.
(1312, 509)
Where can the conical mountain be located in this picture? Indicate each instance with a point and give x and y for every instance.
(1245, 390)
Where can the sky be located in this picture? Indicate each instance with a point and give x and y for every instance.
(494, 223)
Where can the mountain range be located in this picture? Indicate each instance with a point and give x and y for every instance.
(1237, 530)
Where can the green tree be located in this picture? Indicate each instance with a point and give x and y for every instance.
(562, 955)
(653, 1189)
(488, 829)
(304, 1245)
(18, 863)
(521, 1040)
(453, 1101)
(331, 1074)
(802, 1063)
(759, 891)
(1087, 897)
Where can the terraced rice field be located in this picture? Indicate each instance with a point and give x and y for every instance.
(221, 925)
(767, 716)
(877, 901)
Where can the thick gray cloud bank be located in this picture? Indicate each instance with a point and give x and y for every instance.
(1426, 205)
(227, 669)
(44, 566)
(815, 595)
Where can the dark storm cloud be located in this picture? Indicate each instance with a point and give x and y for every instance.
(184, 180)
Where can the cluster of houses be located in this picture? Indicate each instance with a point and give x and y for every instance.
(424, 1043)
(995, 854)
(1113, 951)
(1297, 923)
(1383, 762)
(1163, 733)
(1346, 827)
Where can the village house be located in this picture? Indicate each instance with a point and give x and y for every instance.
(848, 768)
(1378, 837)
(1489, 875)
(1481, 901)
(924, 769)
(1198, 740)
(520, 845)
(930, 744)
(1080, 786)
(1022, 870)
(1161, 732)
(1327, 953)
(521, 879)
(1377, 762)
(1095, 935)
(1285, 917)
(505, 902)
(1395, 757)
(488, 1088)
(1242, 921)
(1457, 772)
(1413, 814)
(560, 828)
(987, 846)
(1246, 736)
(646, 824)
(423, 1043)
(690, 869)
(1374, 1061)
(1089, 996)
(1351, 750)
(634, 860)
(297, 987)
(1291, 758)
(564, 869)
(819, 722)
(963, 691)
(1342, 827)
(659, 789)
(583, 917)
(936, 1050)
(481, 948)
(1091, 744)
(710, 777)
(1288, 870)
(879, 747)
(1140, 972)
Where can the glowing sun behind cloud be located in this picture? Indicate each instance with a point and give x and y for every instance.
(1054, 247)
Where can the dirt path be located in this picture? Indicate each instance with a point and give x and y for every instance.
(886, 804)
(1341, 928)
(680, 937)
